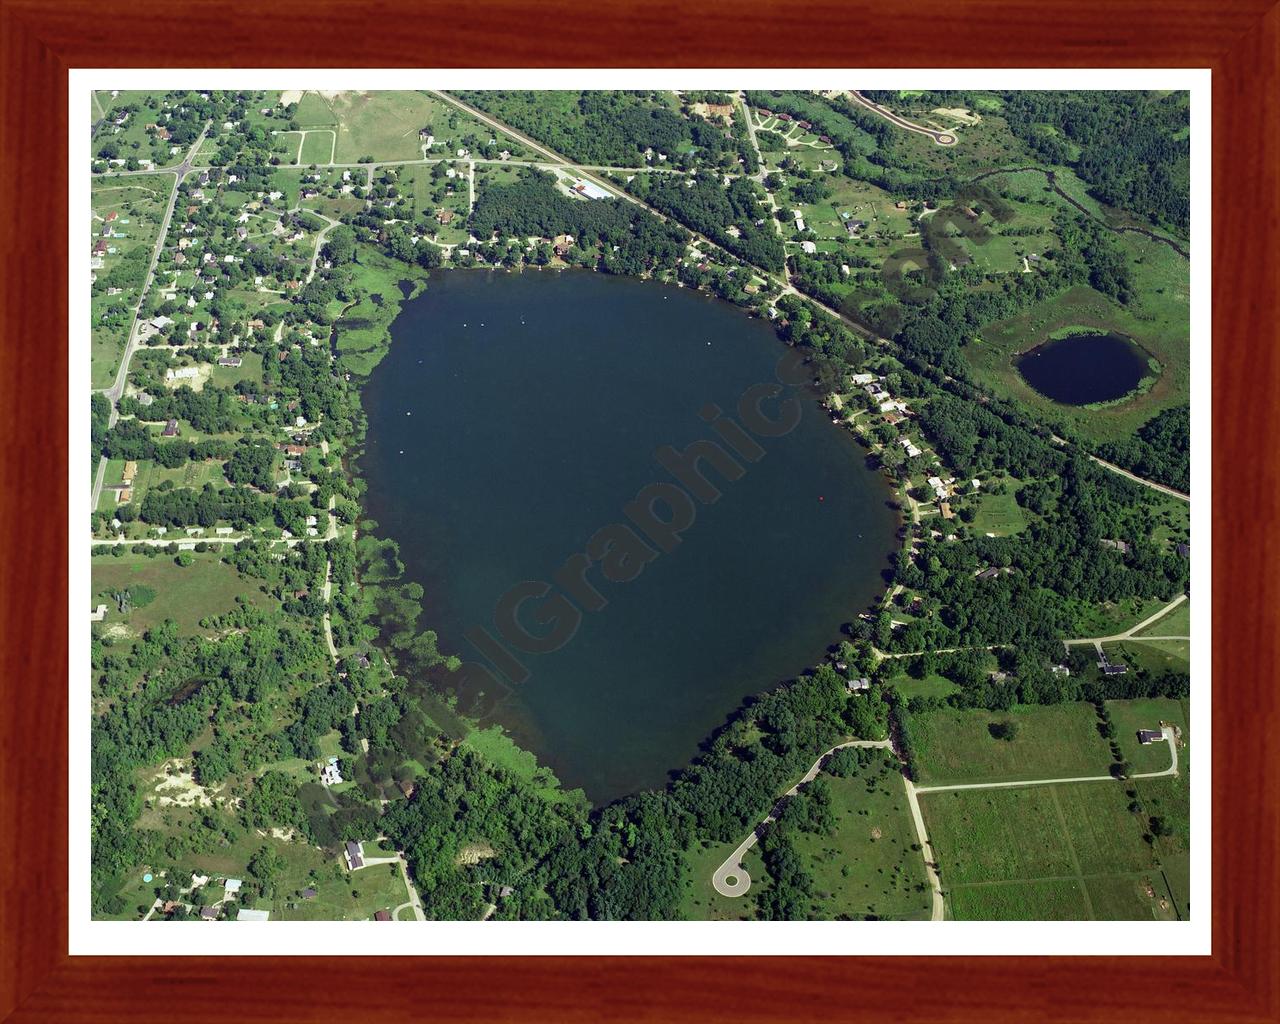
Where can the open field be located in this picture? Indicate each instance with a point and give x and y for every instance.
(1000, 514)
(1052, 741)
(930, 686)
(1176, 623)
(1131, 715)
(1158, 322)
(866, 867)
(1076, 850)
(184, 594)
(1154, 655)
(1112, 618)
(317, 147)
(701, 902)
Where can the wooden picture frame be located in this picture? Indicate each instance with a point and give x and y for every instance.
(41, 39)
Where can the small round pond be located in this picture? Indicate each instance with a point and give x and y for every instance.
(1082, 369)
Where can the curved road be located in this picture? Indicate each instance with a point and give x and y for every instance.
(730, 878)
(941, 138)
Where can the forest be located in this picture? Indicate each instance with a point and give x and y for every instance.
(1131, 147)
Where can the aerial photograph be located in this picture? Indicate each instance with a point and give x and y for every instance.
(638, 505)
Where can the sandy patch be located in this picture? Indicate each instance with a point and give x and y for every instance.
(474, 853)
(195, 383)
(290, 96)
(958, 114)
(876, 833)
(180, 789)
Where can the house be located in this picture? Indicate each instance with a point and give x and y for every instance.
(900, 205)
(382, 915)
(912, 450)
(123, 495)
(1150, 736)
(862, 378)
(1060, 670)
(246, 914)
(182, 373)
(330, 775)
(98, 614)
(444, 216)
(854, 685)
(1184, 550)
(809, 247)
(783, 117)
(354, 856)
(945, 508)
(989, 574)
(99, 247)
(1109, 667)
(1118, 545)
(130, 471)
(208, 913)
(308, 893)
(229, 361)
(939, 488)
(170, 429)
(231, 888)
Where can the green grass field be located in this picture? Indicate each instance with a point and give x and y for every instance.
(866, 867)
(1051, 852)
(1131, 715)
(1175, 623)
(701, 902)
(1000, 514)
(1158, 322)
(317, 147)
(1111, 619)
(1154, 655)
(1053, 741)
(186, 595)
(930, 686)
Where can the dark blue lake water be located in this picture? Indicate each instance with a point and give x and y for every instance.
(518, 414)
(1084, 368)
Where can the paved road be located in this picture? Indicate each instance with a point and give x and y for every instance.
(315, 256)
(1128, 634)
(1140, 480)
(941, 138)
(114, 392)
(730, 878)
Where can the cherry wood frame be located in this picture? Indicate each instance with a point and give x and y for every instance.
(41, 39)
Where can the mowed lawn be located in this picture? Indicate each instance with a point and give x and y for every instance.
(317, 147)
(1000, 514)
(1064, 852)
(186, 595)
(1051, 742)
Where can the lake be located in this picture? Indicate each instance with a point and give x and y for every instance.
(518, 414)
(1084, 368)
